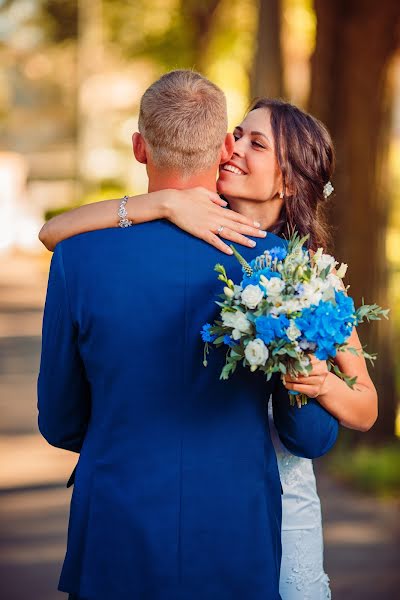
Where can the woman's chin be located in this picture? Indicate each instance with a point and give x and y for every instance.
(228, 187)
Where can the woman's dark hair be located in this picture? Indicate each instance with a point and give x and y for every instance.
(306, 158)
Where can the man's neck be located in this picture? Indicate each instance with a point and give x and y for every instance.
(161, 181)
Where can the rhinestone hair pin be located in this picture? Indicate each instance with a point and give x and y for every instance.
(328, 189)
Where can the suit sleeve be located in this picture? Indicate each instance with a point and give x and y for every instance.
(63, 391)
(309, 431)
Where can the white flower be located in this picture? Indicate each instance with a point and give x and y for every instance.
(342, 270)
(273, 286)
(228, 292)
(293, 332)
(256, 352)
(252, 295)
(334, 281)
(290, 306)
(238, 321)
(324, 261)
(237, 289)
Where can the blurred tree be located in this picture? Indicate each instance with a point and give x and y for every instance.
(267, 72)
(355, 41)
(175, 34)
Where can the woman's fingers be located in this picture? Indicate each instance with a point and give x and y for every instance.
(247, 229)
(311, 380)
(235, 216)
(217, 200)
(233, 236)
(216, 241)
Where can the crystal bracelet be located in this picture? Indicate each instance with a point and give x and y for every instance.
(123, 213)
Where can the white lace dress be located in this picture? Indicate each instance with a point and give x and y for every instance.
(302, 570)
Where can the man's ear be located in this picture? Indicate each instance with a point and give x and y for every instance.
(139, 148)
(227, 148)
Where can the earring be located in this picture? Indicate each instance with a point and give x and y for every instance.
(281, 195)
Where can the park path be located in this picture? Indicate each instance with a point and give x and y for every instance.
(362, 534)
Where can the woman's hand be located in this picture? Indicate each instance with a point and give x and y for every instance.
(200, 212)
(313, 384)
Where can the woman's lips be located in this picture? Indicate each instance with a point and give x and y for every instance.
(232, 169)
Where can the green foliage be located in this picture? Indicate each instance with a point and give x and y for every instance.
(373, 470)
(371, 312)
(242, 261)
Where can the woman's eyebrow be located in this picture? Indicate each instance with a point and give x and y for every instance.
(238, 128)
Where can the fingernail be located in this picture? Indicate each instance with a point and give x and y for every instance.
(252, 243)
(230, 251)
(264, 233)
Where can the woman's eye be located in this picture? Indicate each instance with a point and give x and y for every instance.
(258, 145)
(236, 137)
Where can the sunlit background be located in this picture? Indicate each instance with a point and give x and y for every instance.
(71, 76)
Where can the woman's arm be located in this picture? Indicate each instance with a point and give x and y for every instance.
(198, 211)
(355, 408)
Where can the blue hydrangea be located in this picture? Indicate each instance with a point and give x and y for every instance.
(269, 327)
(229, 341)
(328, 324)
(278, 252)
(205, 333)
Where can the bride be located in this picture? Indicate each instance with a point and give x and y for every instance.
(278, 177)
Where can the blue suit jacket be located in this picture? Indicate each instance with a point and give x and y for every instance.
(177, 493)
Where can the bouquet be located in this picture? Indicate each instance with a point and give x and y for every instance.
(289, 305)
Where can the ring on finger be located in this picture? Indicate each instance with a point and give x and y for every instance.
(220, 229)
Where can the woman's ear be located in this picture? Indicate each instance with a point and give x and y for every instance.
(139, 148)
(227, 148)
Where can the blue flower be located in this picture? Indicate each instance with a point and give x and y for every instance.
(206, 335)
(278, 252)
(229, 341)
(328, 324)
(269, 328)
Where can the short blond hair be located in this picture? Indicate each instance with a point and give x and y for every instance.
(183, 119)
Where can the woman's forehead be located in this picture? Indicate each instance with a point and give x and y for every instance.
(257, 120)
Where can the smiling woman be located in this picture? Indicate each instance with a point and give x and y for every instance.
(286, 158)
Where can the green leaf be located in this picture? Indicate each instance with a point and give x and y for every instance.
(242, 261)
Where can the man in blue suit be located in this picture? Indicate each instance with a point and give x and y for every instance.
(177, 493)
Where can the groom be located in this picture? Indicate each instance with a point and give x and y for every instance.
(177, 493)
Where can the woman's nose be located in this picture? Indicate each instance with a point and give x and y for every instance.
(238, 148)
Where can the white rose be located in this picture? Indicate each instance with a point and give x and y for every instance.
(238, 321)
(256, 353)
(293, 332)
(273, 286)
(252, 296)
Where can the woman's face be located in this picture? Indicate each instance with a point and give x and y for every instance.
(253, 172)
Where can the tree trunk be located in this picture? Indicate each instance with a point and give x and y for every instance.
(199, 17)
(267, 76)
(355, 42)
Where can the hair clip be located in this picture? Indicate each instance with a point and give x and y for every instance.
(328, 189)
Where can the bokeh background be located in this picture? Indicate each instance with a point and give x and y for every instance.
(71, 76)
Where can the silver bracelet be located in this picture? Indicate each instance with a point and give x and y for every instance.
(123, 213)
